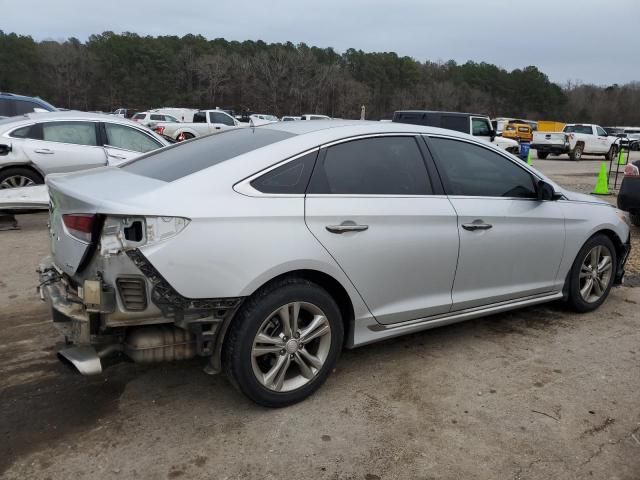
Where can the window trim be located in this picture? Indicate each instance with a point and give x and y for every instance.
(39, 124)
(437, 160)
(244, 186)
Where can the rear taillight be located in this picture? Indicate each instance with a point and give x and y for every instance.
(630, 170)
(79, 226)
(159, 130)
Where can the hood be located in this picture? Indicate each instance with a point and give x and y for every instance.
(582, 197)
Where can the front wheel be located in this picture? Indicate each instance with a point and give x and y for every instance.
(542, 155)
(612, 153)
(592, 274)
(284, 342)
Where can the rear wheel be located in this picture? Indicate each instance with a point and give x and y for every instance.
(15, 177)
(542, 155)
(184, 136)
(592, 274)
(576, 153)
(284, 342)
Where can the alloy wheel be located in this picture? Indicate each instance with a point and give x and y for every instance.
(16, 181)
(595, 274)
(291, 346)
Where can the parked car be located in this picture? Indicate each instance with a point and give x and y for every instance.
(124, 112)
(37, 144)
(631, 139)
(182, 114)
(290, 118)
(268, 249)
(500, 123)
(258, 119)
(520, 132)
(204, 123)
(313, 116)
(470, 123)
(576, 139)
(629, 194)
(151, 118)
(12, 105)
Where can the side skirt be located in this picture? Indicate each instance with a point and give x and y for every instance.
(370, 331)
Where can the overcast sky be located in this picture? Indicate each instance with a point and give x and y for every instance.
(592, 41)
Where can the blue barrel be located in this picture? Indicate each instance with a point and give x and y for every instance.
(524, 150)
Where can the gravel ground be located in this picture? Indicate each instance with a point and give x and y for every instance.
(538, 393)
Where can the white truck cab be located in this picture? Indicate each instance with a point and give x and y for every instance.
(576, 139)
(204, 123)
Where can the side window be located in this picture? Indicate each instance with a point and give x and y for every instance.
(290, 178)
(76, 133)
(157, 117)
(23, 107)
(480, 127)
(199, 117)
(129, 138)
(6, 109)
(217, 117)
(24, 132)
(376, 166)
(472, 170)
(600, 131)
(139, 116)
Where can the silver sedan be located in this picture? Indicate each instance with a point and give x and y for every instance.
(268, 250)
(37, 144)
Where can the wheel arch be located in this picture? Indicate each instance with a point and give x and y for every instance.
(28, 166)
(322, 279)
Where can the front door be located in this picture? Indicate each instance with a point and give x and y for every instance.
(370, 204)
(511, 244)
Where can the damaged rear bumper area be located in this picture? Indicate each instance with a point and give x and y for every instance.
(122, 305)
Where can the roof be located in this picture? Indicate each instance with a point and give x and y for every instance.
(63, 115)
(454, 114)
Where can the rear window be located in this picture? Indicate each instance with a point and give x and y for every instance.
(183, 159)
(586, 129)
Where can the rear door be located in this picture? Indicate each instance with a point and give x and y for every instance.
(602, 139)
(372, 205)
(65, 146)
(481, 128)
(511, 244)
(123, 142)
(220, 121)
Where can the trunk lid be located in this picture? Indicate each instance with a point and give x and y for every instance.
(98, 192)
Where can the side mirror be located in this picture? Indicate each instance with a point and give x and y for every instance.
(545, 191)
(4, 150)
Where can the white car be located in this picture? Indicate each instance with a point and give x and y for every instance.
(576, 139)
(151, 118)
(290, 118)
(314, 116)
(267, 250)
(37, 144)
(204, 123)
(262, 119)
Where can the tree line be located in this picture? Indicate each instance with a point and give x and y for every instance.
(112, 70)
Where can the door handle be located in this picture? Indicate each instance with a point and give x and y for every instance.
(472, 227)
(347, 226)
(44, 151)
(119, 157)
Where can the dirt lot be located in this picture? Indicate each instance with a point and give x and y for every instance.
(539, 393)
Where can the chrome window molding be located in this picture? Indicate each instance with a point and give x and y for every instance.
(244, 187)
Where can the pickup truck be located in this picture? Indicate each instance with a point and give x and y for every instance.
(473, 124)
(204, 123)
(576, 139)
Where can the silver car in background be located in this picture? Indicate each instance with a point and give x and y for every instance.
(268, 250)
(37, 144)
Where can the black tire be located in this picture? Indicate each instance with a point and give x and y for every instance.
(237, 351)
(576, 153)
(574, 298)
(612, 153)
(184, 136)
(10, 173)
(542, 155)
(635, 219)
(635, 146)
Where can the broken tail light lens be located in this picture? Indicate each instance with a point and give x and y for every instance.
(630, 170)
(79, 226)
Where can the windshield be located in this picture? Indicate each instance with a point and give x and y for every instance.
(183, 159)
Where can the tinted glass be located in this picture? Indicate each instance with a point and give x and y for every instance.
(23, 107)
(453, 122)
(77, 133)
(377, 166)
(480, 127)
(199, 117)
(600, 131)
(21, 132)
(186, 158)
(5, 108)
(217, 117)
(291, 177)
(471, 170)
(155, 116)
(140, 116)
(128, 138)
